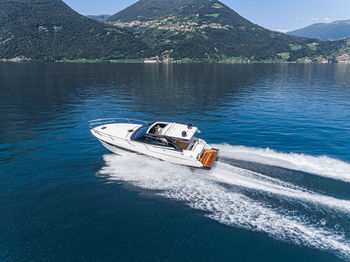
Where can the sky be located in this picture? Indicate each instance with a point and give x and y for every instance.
(283, 15)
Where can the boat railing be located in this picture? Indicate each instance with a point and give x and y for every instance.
(106, 121)
(112, 137)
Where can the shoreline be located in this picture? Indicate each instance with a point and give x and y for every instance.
(141, 61)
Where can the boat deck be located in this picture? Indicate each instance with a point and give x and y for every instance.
(182, 145)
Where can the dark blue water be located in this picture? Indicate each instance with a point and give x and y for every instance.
(279, 192)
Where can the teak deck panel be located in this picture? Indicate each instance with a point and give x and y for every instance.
(208, 157)
(182, 145)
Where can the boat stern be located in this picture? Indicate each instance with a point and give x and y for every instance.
(208, 157)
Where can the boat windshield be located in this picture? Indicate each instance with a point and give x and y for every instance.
(141, 131)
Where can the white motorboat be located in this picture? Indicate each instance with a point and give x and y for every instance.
(167, 141)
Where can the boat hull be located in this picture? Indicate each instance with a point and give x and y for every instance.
(116, 150)
(180, 159)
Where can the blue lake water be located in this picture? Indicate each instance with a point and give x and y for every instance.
(279, 192)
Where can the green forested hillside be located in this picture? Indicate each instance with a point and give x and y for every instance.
(187, 30)
(48, 30)
(209, 30)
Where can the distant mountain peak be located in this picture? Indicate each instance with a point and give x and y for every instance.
(99, 18)
(209, 30)
(325, 31)
(149, 9)
(342, 22)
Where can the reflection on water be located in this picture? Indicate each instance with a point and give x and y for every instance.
(235, 103)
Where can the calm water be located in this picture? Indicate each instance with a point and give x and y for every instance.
(280, 191)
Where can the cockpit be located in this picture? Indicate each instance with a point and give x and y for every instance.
(152, 134)
(158, 128)
(166, 135)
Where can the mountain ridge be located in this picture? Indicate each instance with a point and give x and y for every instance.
(325, 31)
(210, 30)
(148, 9)
(172, 30)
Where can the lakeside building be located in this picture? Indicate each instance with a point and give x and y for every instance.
(343, 59)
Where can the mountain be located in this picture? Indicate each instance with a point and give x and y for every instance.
(325, 31)
(145, 10)
(208, 30)
(187, 30)
(99, 18)
(48, 30)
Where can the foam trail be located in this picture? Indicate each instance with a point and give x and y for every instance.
(248, 179)
(204, 191)
(321, 165)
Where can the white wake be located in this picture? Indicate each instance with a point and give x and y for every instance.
(321, 165)
(213, 192)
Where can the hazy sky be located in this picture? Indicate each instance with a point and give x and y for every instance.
(272, 14)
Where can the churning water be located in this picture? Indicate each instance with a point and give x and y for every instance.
(239, 197)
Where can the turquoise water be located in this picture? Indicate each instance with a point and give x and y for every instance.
(279, 192)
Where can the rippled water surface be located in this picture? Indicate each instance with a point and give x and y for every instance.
(279, 192)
